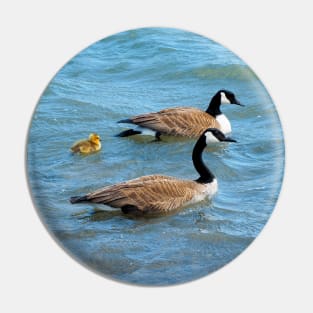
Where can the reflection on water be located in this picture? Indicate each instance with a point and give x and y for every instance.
(97, 215)
(142, 71)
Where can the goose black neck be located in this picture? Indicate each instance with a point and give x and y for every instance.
(214, 106)
(206, 176)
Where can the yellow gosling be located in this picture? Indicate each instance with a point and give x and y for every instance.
(86, 146)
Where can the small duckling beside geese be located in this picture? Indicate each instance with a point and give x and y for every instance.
(87, 146)
(157, 194)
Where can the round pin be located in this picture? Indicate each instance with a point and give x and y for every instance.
(155, 156)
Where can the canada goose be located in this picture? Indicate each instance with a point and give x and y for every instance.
(155, 194)
(183, 121)
(86, 146)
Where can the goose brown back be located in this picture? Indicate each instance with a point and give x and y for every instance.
(180, 121)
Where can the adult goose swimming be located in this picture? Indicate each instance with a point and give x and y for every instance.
(155, 194)
(183, 121)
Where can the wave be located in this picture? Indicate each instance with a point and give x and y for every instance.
(170, 72)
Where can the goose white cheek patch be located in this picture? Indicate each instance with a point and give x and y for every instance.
(224, 99)
(210, 138)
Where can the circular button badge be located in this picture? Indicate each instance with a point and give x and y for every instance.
(155, 156)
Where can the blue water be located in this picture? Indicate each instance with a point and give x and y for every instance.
(141, 71)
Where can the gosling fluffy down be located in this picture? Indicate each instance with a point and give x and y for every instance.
(86, 146)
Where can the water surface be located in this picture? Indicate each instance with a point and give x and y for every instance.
(141, 71)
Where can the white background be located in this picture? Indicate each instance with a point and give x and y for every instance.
(274, 38)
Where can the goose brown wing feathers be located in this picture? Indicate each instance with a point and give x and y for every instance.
(180, 121)
(151, 194)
